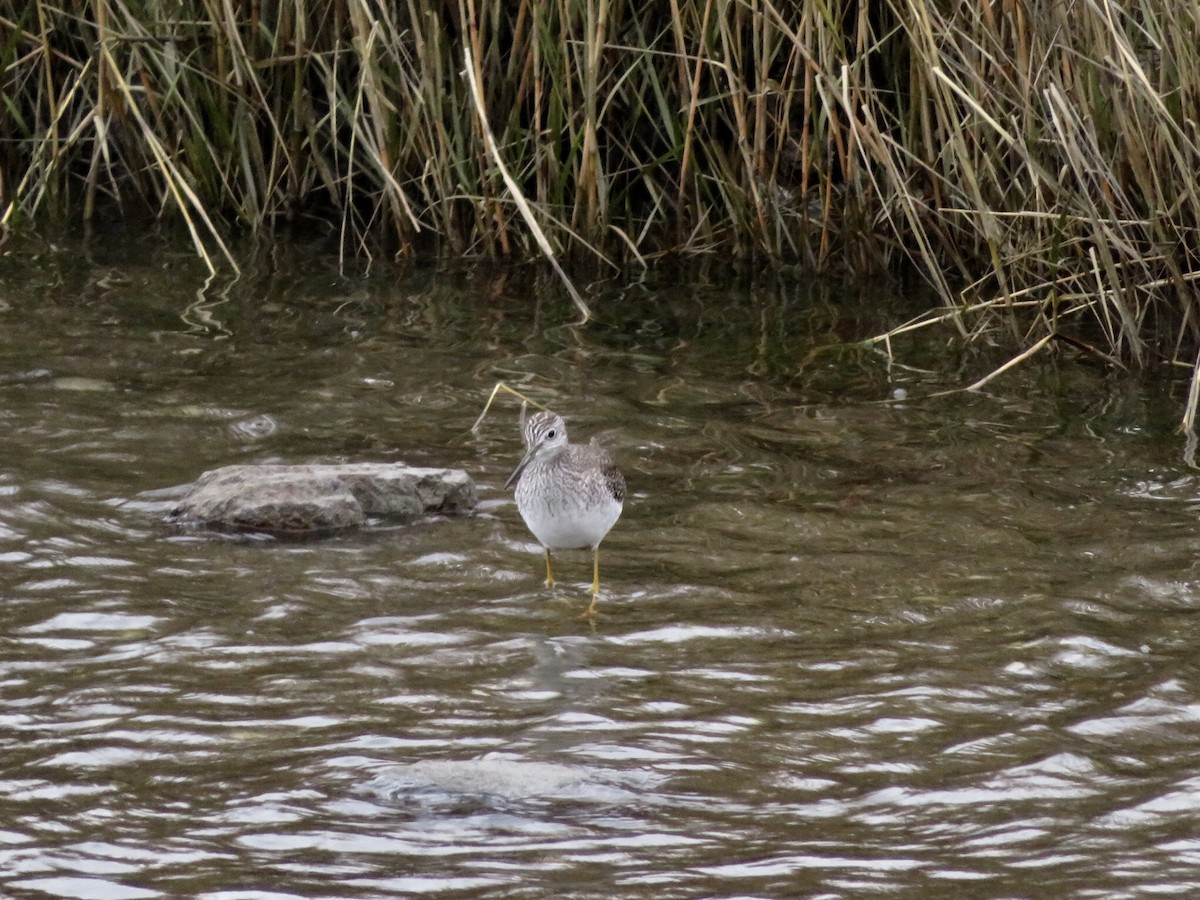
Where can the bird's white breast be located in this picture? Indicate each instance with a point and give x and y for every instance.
(561, 524)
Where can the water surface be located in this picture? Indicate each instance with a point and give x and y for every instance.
(847, 647)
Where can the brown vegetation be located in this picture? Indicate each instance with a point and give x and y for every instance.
(1044, 154)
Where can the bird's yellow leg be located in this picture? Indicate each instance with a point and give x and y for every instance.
(549, 570)
(590, 612)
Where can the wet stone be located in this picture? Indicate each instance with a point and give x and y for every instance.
(498, 781)
(497, 778)
(313, 499)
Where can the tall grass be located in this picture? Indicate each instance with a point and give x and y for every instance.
(1044, 153)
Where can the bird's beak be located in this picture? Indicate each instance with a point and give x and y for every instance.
(519, 469)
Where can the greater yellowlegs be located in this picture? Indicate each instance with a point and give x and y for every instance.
(569, 495)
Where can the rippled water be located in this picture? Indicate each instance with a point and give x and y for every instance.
(940, 646)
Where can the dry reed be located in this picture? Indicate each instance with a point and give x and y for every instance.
(1043, 154)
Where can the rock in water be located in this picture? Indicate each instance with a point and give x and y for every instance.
(500, 778)
(281, 499)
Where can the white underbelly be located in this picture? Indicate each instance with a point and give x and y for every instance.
(570, 528)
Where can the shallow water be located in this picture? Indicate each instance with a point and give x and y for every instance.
(846, 647)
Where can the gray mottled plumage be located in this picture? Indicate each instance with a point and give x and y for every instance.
(570, 495)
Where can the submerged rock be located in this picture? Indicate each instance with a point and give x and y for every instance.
(283, 499)
(498, 781)
(501, 778)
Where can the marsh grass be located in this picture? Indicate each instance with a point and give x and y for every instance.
(1035, 160)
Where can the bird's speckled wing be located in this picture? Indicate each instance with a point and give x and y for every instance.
(615, 482)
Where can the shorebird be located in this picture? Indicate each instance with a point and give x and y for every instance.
(569, 495)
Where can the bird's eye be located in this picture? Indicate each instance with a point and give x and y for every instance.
(550, 434)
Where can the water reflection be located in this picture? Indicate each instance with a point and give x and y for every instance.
(844, 646)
